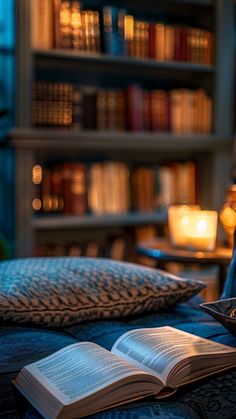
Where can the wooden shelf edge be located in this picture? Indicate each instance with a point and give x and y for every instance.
(84, 221)
(70, 54)
(23, 138)
(195, 2)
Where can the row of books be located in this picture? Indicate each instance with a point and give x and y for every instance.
(111, 187)
(115, 31)
(118, 244)
(117, 247)
(133, 109)
(157, 40)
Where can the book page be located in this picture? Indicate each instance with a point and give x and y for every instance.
(79, 370)
(158, 350)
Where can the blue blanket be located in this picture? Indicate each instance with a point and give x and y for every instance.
(211, 398)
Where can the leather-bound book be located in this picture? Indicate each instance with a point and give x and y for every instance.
(42, 34)
(62, 19)
(134, 108)
(169, 43)
(159, 41)
(151, 41)
(74, 188)
(89, 107)
(113, 30)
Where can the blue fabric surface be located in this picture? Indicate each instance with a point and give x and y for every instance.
(18, 347)
(184, 316)
(212, 398)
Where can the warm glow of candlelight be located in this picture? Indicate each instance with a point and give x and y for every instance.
(202, 230)
(178, 220)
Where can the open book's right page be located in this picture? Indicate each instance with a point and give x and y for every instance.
(174, 356)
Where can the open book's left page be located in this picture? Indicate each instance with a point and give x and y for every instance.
(76, 374)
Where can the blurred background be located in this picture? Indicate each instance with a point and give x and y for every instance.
(111, 113)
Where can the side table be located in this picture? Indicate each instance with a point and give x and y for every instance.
(161, 251)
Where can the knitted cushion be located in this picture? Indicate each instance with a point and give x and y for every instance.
(62, 291)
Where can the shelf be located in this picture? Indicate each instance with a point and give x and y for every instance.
(194, 2)
(46, 56)
(43, 139)
(166, 3)
(52, 222)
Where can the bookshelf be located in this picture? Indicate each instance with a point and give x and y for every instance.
(210, 152)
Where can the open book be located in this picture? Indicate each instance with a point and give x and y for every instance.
(84, 378)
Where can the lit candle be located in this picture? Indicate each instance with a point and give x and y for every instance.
(202, 230)
(178, 221)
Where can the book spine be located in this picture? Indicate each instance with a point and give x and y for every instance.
(187, 111)
(177, 43)
(184, 174)
(108, 29)
(121, 32)
(143, 189)
(146, 110)
(159, 115)
(90, 31)
(75, 23)
(142, 44)
(101, 109)
(42, 36)
(111, 109)
(56, 190)
(96, 188)
(176, 111)
(152, 41)
(120, 112)
(113, 30)
(89, 107)
(134, 108)
(74, 188)
(159, 41)
(77, 108)
(169, 43)
(167, 195)
(129, 34)
(208, 47)
(183, 44)
(63, 22)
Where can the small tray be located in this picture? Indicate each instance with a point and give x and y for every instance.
(224, 311)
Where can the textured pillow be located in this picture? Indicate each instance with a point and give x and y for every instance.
(61, 291)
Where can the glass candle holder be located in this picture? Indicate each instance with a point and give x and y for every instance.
(178, 223)
(202, 230)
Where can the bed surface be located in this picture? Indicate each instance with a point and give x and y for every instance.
(211, 398)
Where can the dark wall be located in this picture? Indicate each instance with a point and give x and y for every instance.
(7, 105)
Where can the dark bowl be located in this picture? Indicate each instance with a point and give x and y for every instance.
(224, 311)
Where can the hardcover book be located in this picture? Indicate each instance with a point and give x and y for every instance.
(42, 35)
